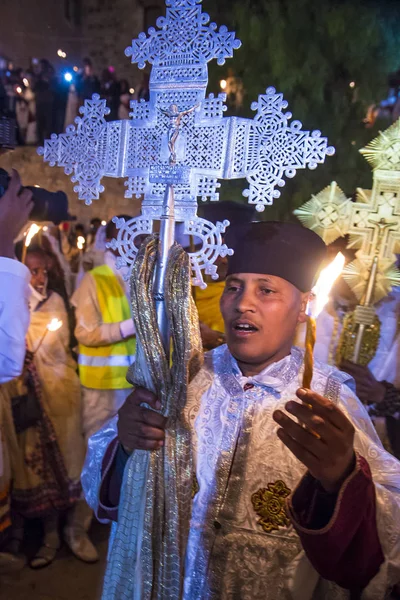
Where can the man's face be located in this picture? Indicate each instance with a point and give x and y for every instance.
(261, 313)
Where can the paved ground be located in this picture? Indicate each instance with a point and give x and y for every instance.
(66, 579)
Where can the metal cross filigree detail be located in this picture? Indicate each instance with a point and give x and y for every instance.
(183, 33)
(278, 149)
(372, 222)
(327, 213)
(85, 151)
(384, 151)
(180, 137)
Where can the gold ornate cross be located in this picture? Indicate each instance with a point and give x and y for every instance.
(373, 226)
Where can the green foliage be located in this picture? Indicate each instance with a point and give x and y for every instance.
(310, 50)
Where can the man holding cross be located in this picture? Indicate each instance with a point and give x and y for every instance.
(293, 494)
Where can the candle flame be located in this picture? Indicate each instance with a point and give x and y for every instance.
(54, 325)
(30, 234)
(80, 242)
(321, 290)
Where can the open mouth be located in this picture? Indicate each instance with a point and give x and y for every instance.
(244, 328)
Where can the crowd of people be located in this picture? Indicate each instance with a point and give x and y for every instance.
(68, 381)
(78, 313)
(44, 101)
(67, 340)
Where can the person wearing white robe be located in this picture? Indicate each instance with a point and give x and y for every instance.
(280, 511)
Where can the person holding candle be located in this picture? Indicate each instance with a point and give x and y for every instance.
(294, 495)
(43, 428)
(376, 382)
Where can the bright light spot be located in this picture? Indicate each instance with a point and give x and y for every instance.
(36, 185)
(223, 84)
(32, 231)
(80, 242)
(45, 228)
(60, 53)
(25, 81)
(104, 223)
(54, 325)
(352, 84)
(68, 77)
(19, 90)
(76, 69)
(322, 288)
(131, 90)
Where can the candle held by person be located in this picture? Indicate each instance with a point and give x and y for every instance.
(29, 235)
(54, 325)
(80, 242)
(319, 297)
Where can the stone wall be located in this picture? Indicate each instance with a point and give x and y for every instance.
(100, 29)
(34, 171)
(38, 28)
(109, 27)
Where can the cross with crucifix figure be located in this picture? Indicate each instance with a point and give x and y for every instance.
(372, 223)
(208, 146)
(172, 152)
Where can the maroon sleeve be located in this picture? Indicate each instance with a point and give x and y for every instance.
(339, 532)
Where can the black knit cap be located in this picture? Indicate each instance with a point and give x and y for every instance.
(285, 250)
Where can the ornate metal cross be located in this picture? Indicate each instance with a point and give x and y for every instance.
(209, 146)
(373, 224)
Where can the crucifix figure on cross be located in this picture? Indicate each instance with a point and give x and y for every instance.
(172, 152)
(373, 226)
(180, 123)
(174, 126)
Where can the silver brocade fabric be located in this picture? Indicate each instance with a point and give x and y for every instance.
(229, 555)
(155, 502)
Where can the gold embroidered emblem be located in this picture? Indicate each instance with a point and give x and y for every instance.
(269, 504)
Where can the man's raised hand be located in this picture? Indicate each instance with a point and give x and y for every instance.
(15, 207)
(325, 445)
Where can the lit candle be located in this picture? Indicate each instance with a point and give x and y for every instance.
(29, 235)
(80, 242)
(319, 297)
(54, 325)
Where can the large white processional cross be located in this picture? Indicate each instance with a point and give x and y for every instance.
(207, 146)
(172, 152)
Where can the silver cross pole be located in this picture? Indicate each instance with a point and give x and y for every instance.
(176, 146)
(172, 152)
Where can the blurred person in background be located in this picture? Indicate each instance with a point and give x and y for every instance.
(106, 336)
(42, 429)
(110, 91)
(87, 83)
(44, 89)
(124, 100)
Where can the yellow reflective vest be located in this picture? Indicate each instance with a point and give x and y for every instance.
(207, 302)
(105, 367)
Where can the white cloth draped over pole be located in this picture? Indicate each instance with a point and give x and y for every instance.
(172, 152)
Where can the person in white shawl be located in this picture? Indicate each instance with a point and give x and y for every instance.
(294, 495)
